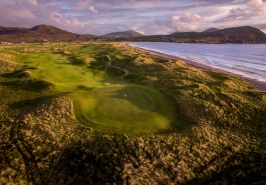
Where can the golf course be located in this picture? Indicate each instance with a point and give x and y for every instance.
(108, 113)
(102, 101)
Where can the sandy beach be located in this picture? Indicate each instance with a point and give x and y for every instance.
(258, 85)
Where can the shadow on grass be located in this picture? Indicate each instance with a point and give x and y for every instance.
(248, 170)
(85, 88)
(35, 101)
(89, 162)
(30, 85)
(30, 102)
(17, 74)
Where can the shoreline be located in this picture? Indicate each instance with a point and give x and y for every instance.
(257, 85)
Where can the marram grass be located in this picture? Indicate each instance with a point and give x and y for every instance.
(208, 128)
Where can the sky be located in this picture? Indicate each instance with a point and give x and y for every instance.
(148, 17)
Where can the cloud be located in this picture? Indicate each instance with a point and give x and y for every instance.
(187, 22)
(258, 6)
(261, 26)
(33, 2)
(239, 14)
(239, 11)
(148, 16)
(253, 9)
(74, 22)
(255, 3)
(83, 3)
(16, 17)
(91, 8)
(56, 17)
(132, 2)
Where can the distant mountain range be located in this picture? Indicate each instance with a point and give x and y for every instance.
(244, 34)
(210, 30)
(129, 33)
(40, 33)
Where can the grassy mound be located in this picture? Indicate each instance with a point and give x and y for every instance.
(194, 126)
(18, 74)
(125, 109)
(30, 85)
(101, 101)
(35, 85)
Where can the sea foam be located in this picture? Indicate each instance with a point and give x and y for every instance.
(248, 60)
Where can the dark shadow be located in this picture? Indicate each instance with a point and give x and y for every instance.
(115, 72)
(29, 67)
(73, 60)
(221, 77)
(30, 85)
(99, 64)
(248, 170)
(76, 61)
(85, 88)
(96, 72)
(88, 162)
(31, 102)
(64, 63)
(17, 74)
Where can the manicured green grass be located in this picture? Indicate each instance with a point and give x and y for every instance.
(125, 109)
(103, 102)
(217, 120)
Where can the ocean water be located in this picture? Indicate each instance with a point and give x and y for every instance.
(248, 60)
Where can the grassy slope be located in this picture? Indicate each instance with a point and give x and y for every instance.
(101, 101)
(221, 138)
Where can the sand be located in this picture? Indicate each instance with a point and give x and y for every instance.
(257, 85)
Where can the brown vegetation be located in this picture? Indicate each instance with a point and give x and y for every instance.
(222, 139)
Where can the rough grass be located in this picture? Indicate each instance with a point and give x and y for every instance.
(217, 136)
(103, 100)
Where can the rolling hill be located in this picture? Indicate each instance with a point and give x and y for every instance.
(244, 34)
(210, 30)
(38, 34)
(129, 33)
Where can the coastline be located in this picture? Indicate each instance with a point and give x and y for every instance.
(257, 85)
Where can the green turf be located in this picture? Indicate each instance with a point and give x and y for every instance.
(124, 108)
(218, 134)
(102, 101)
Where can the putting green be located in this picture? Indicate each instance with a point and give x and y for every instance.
(102, 102)
(124, 108)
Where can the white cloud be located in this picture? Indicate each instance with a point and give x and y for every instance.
(74, 22)
(22, 13)
(251, 12)
(91, 8)
(255, 3)
(83, 3)
(149, 16)
(33, 2)
(239, 11)
(258, 6)
(56, 17)
(187, 22)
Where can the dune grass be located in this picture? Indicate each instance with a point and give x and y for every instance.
(207, 127)
(101, 101)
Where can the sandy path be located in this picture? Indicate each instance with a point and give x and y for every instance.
(125, 70)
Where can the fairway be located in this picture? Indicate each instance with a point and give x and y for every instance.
(124, 108)
(101, 101)
(106, 113)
